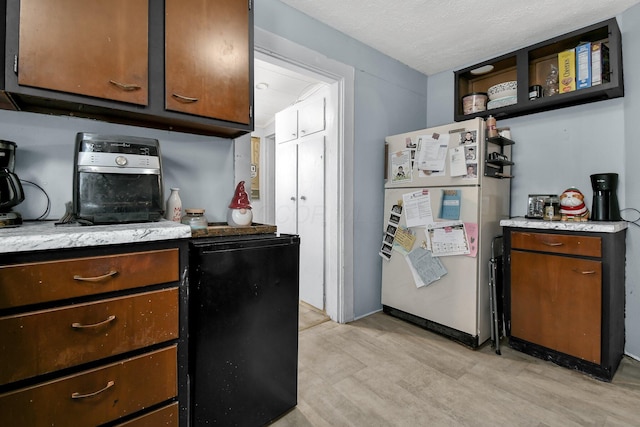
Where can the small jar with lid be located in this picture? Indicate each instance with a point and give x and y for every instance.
(195, 219)
(552, 209)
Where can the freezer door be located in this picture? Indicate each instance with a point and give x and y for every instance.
(459, 145)
(453, 300)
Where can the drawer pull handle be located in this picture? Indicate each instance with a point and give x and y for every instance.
(97, 278)
(183, 98)
(588, 272)
(553, 244)
(77, 395)
(125, 87)
(77, 325)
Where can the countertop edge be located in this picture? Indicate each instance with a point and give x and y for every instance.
(45, 235)
(586, 226)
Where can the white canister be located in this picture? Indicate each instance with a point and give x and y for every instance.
(173, 210)
(504, 132)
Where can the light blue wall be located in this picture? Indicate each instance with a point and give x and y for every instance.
(630, 24)
(558, 149)
(202, 167)
(389, 98)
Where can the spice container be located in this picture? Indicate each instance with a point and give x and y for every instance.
(195, 219)
(552, 209)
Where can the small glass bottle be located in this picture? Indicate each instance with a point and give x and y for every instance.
(492, 130)
(173, 210)
(552, 209)
(195, 219)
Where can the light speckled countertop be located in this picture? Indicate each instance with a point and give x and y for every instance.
(45, 235)
(589, 226)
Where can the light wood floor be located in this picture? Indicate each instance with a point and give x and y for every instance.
(381, 371)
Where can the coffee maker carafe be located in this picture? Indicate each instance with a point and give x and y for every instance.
(605, 200)
(11, 193)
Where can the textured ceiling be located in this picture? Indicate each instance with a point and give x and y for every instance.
(438, 35)
(430, 35)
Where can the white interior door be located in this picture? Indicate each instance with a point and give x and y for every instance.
(287, 187)
(311, 219)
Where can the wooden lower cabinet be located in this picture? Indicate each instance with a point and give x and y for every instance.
(100, 339)
(48, 340)
(564, 297)
(556, 302)
(94, 397)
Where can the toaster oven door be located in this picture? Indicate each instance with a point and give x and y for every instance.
(108, 198)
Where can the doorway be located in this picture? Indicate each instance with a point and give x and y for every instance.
(338, 265)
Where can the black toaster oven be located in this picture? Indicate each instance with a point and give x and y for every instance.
(117, 179)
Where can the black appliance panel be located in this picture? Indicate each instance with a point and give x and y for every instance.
(117, 198)
(243, 329)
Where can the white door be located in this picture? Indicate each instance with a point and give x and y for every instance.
(287, 187)
(300, 189)
(311, 218)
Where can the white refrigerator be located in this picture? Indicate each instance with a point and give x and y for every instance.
(436, 274)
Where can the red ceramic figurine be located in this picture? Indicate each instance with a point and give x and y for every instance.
(239, 213)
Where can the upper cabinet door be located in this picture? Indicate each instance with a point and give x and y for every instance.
(208, 58)
(97, 48)
(311, 117)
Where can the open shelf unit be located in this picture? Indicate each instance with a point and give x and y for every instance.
(531, 65)
(496, 158)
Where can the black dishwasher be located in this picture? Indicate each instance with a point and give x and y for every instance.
(243, 328)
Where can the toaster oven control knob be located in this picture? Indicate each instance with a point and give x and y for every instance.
(121, 161)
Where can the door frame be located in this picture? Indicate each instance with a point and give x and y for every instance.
(339, 285)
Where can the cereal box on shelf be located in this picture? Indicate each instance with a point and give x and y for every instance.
(583, 65)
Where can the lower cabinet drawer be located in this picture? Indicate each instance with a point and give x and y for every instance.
(96, 396)
(44, 341)
(163, 417)
(39, 282)
(557, 243)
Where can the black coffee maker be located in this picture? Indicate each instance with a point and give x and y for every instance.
(11, 193)
(605, 201)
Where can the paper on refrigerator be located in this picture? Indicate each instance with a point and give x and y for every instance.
(417, 208)
(448, 238)
(401, 167)
(432, 152)
(424, 267)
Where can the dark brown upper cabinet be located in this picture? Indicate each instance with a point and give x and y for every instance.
(181, 65)
(530, 66)
(97, 48)
(207, 61)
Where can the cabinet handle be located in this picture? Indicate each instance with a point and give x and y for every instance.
(95, 279)
(77, 395)
(303, 197)
(109, 319)
(588, 272)
(293, 199)
(553, 244)
(124, 86)
(186, 99)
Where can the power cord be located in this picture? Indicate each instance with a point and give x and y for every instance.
(48, 209)
(635, 221)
